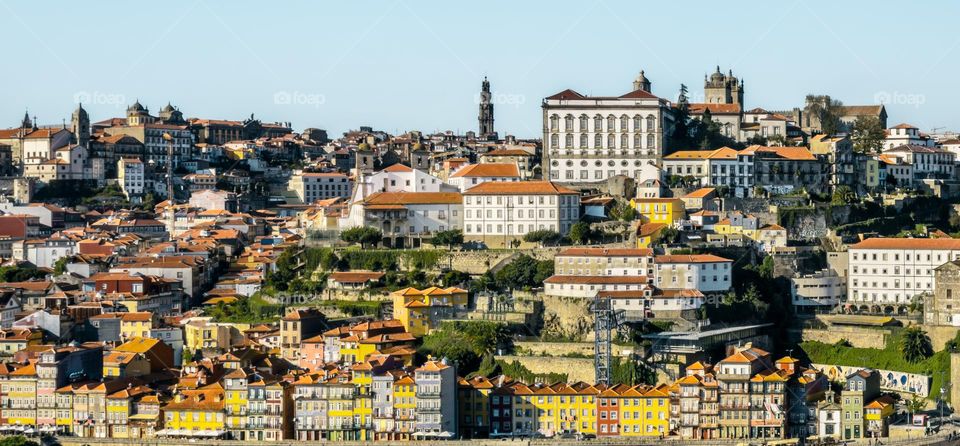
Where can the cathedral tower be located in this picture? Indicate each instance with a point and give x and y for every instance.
(641, 83)
(486, 112)
(80, 124)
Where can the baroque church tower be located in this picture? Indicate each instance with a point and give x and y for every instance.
(80, 124)
(722, 88)
(641, 83)
(486, 112)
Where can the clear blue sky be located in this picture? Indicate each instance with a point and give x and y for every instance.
(400, 65)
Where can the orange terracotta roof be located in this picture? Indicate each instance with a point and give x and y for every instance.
(519, 188)
(700, 193)
(908, 243)
(404, 198)
(488, 170)
(691, 258)
(607, 252)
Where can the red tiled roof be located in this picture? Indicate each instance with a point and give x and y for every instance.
(519, 188)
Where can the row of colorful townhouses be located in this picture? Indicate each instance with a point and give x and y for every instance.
(247, 394)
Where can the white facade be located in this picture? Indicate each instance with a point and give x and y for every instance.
(822, 289)
(591, 139)
(45, 253)
(130, 176)
(926, 162)
(906, 134)
(312, 186)
(703, 272)
(510, 210)
(587, 287)
(893, 271)
(474, 174)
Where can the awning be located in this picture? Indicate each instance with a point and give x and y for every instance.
(29, 430)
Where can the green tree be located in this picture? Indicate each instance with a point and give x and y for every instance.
(465, 343)
(17, 440)
(580, 233)
(842, 195)
(542, 236)
(867, 135)
(20, 274)
(362, 235)
(524, 272)
(828, 111)
(623, 212)
(915, 405)
(60, 266)
(448, 238)
(915, 344)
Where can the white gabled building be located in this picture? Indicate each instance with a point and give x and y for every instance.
(650, 303)
(498, 213)
(593, 138)
(587, 287)
(475, 174)
(705, 272)
(887, 273)
(906, 134)
(604, 262)
(407, 218)
(926, 162)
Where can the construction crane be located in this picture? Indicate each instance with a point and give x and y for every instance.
(606, 320)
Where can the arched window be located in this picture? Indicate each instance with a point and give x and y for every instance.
(651, 141)
(651, 124)
(636, 123)
(623, 141)
(611, 123)
(568, 139)
(583, 140)
(554, 122)
(624, 123)
(636, 140)
(584, 123)
(611, 141)
(597, 125)
(554, 141)
(568, 123)
(597, 141)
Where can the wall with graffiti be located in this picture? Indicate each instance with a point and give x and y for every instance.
(889, 379)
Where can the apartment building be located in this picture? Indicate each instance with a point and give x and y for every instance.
(501, 213)
(886, 274)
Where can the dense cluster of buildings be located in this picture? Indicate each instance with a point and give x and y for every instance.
(111, 331)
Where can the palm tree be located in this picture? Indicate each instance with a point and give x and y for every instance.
(915, 344)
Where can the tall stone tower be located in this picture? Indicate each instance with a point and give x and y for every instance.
(486, 112)
(80, 124)
(641, 83)
(722, 88)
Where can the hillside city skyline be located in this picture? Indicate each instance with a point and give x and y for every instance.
(346, 84)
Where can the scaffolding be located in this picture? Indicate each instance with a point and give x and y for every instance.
(606, 320)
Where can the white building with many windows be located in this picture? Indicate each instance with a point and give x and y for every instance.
(312, 186)
(498, 213)
(593, 138)
(885, 274)
(408, 218)
(705, 272)
(131, 178)
(475, 174)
